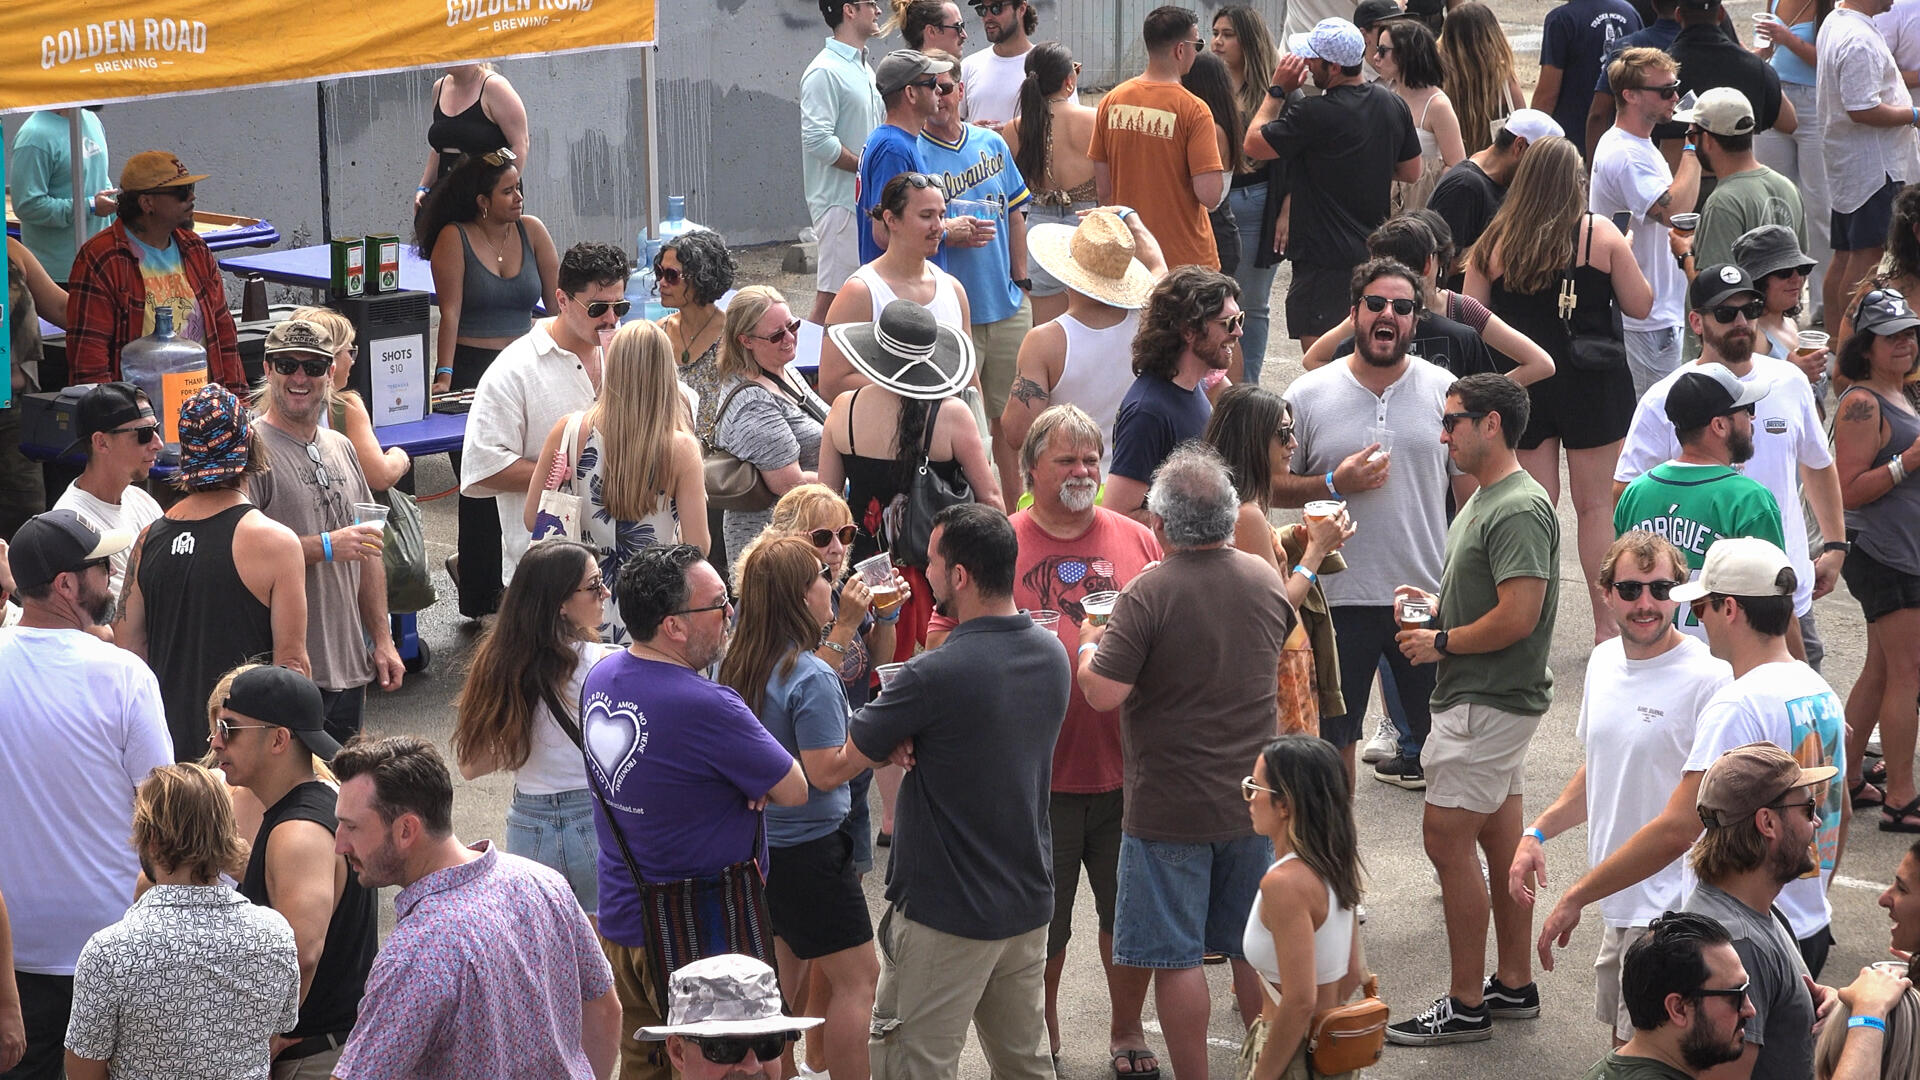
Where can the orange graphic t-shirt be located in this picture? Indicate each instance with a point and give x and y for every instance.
(167, 285)
(1155, 138)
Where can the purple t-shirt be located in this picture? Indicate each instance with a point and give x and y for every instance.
(678, 756)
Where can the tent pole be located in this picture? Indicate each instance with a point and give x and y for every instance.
(76, 158)
(650, 121)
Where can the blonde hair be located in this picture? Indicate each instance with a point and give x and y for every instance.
(1475, 63)
(1534, 228)
(183, 819)
(1899, 1048)
(744, 312)
(637, 413)
(809, 506)
(217, 700)
(1629, 70)
(337, 326)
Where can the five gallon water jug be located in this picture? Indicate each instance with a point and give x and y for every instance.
(642, 290)
(169, 369)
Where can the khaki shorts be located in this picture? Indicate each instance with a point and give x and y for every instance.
(838, 254)
(1476, 756)
(1609, 1004)
(997, 345)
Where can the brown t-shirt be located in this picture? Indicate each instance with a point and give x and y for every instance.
(1199, 638)
(1155, 138)
(290, 493)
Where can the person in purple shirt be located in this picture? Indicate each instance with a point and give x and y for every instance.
(684, 766)
(492, 969)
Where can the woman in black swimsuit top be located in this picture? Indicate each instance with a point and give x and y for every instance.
(492, 117)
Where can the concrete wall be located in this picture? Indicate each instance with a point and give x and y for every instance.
(728, 81)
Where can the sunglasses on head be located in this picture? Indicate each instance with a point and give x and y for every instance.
(732, 1049)
(791, 329)
(822, 537)
(143, 434)
(1630, 590)
(1401, 305)
(1752, 309)
(597, 308)
(313, 368)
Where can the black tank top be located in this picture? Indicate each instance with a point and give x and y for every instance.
(202, 620)
(470, 132)
(870, 483)
(333, 999)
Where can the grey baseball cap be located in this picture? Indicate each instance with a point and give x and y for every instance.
(902, 66)
(724, 995)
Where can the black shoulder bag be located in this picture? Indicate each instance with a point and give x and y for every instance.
(928, 494)
(1595, 337)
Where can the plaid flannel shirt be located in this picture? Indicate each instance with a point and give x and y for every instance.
(106, 307)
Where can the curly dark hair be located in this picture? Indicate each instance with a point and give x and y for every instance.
(1903, 247)
(1179, 306)
(455, 197)
(591, 263)
(705, 263)
(652, 585)
(1374, 269)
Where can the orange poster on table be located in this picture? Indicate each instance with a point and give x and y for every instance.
(55, 53)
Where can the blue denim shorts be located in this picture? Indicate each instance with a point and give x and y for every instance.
(1179, 902)
(557, 831)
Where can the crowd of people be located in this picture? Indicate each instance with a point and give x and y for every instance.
(1032, 592)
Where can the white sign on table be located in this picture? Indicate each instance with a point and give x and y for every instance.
(399, 379)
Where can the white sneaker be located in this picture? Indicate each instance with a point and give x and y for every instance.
(1384, 744)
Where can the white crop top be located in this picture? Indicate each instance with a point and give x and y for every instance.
(1332, 940)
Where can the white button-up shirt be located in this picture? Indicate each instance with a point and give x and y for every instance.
(1857, 71)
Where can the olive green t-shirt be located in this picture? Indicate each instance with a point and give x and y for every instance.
(1618, 1066)
(1506, 530)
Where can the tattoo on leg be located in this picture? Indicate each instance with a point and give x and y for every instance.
(1027, 392)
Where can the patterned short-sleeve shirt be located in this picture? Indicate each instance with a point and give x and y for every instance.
(486, 973)
(194, 982)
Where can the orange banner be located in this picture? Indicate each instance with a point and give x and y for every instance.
(55, 53)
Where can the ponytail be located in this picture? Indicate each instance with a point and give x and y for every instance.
(1049, 66)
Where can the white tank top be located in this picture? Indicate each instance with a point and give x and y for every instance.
(1332, 941)
(1097, 372)
(946, 296)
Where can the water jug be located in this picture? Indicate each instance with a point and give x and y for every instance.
(169, 369)
(642, 290)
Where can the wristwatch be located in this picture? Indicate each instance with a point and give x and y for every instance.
(1276, 93)
(1440, 643)
(1023, 284)
(1840, 546)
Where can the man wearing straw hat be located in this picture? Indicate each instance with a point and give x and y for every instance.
(1108, 263)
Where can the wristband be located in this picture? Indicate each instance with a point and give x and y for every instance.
(1091, 646)
(1689, 148)
(1840, 546)
(1306, 573)
(1122, 212)
(835, 646)
(1873, 1022)
(1331, 490)
(893, 618)
(423, 188)
(1538, 836)
(326, 547)
(1897, 469)
(443, 371)
(1916, 117)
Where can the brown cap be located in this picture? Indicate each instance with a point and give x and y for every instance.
(150, 170)
(1746, 778)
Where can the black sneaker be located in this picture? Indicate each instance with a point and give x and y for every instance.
(1507, 1003)
(1402, 773)
(1445, 1021)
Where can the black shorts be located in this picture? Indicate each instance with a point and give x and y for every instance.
(1318, 298)
(1866, 227)
(1880, 588)
(814, 898)
(1583, 409)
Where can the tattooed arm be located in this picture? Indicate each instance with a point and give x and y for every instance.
(1043, 355)
(1858, 434)
(1681, 195)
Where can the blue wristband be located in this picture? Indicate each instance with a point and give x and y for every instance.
(1536, 834)
(326, 546)
(1306, 573)
(1873, 1022)
(1331, 490)
(893, 618)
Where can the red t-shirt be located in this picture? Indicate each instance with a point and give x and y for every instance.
(1053, 574)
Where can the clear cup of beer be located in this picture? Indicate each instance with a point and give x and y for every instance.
(877, 572)
(1415, 613)
(1099, 606)
(1045, 617)
(1812, 343)
(887, 672)
(1322, 509)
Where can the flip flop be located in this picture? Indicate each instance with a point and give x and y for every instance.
(1875, 773)
(1895, 820)
(1864, 794)
(1132, 1058)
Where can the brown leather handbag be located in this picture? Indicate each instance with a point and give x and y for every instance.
(1350, 1036)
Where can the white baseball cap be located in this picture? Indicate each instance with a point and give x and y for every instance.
(1336, 41)
(1740, 566)
(1533, 125)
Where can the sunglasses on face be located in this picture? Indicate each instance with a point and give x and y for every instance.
(597, 308)
(1667, 92)
(792, 329)
(1382, 50)
(183, 192)
(1251, 789)
(1789, 272)
(1401, 305)
(1811, 805)
(946, 88)
(996, 8)
(1701, 606)
(822, 537)
(1285, 434)
(1630, 590)
(1734, 994)
(951, 28)
(502, 156)
(1232, 322)
(666, 275)
(732, 1050)
(313, 368)
(1726, 313)
(143, 434)
(597, 585)
(226, 729)
(1447, 420)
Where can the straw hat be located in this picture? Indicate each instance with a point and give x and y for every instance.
(1095, 258)
(908, 352)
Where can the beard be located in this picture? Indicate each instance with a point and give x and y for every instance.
(1078, 495)
(380, 867)
(1381, 352)
(101, 608)
(1734, 346)
(1740, 446)
(1790, 862)
(1701, 1050)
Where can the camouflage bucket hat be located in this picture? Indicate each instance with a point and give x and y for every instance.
(725, 995)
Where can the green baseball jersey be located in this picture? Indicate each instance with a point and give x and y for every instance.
(1694, 505)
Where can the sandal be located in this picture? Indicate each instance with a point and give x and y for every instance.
(1134, 1068)
(1865, 793)
(1895, 820)
(1875, 773)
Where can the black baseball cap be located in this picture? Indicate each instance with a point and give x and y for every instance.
(106, 407)
(1706, 391)
(1373, 12)
(1717, 284)
(59, 542)
(284, 698)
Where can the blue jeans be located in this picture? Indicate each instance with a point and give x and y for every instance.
(1179, 902)
(1256, 285)
(557, 831)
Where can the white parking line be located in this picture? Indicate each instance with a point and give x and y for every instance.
(1856, 883)
(1212, 1040)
